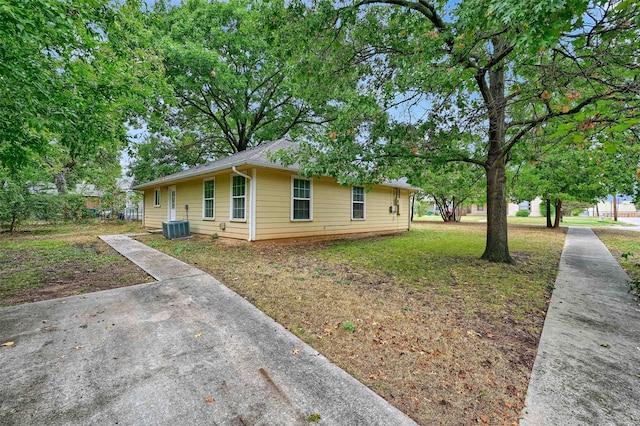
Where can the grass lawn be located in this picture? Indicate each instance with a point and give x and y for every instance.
(47, 261)
(536, 221)
(445, 337)
(625, 248)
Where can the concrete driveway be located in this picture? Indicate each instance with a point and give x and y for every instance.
(182, 351)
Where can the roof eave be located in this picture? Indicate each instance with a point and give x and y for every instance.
(205, 171)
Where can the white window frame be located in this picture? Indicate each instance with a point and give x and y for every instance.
(363, 202)
(205, 199)
(310, 199)
(157, 200)
(232, 197)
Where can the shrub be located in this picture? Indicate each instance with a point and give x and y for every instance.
(522, 213)
(47, 207)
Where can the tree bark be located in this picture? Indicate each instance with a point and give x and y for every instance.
(615, 207)
(549, 224)
(497, 245)
(556, 224)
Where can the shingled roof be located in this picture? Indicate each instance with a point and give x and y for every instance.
(258, 156)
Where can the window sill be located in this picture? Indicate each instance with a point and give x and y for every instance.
(301, 220)
(209, 219)
(238, 220)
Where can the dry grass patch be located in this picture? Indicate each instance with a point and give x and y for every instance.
(443, 336)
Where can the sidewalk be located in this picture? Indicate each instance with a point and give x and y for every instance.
(185, 350)
(587, 370)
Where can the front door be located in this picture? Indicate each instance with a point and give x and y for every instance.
(172, 203)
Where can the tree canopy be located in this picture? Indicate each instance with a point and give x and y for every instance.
(469, 81)
(72, 74)
(230, 66)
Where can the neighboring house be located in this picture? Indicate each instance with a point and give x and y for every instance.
(476, 210)
(247, 196)
(92, 197)
(624, 205)
(533, 207)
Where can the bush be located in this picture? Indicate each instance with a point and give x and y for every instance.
(47, 207)
(522, 213)
(73, 207)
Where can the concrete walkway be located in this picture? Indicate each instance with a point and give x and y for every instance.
(587, 370)
(182, 351)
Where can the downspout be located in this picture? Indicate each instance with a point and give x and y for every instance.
(252, 201)
(253, 208)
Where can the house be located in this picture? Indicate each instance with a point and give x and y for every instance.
(532, 207)
(92, 196)
(247, 196)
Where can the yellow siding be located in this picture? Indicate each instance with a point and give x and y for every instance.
(153, 216)
(331, 208)
(191, 193)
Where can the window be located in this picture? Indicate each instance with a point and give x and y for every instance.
(357, 203)
(209, 199)
(301, 205)
(156, 202)
(238, 198)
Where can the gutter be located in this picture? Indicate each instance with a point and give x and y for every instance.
(252, 206)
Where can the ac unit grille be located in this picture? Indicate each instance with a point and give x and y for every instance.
(176, 229)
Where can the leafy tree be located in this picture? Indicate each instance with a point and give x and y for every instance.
(15, 203)
(71, 74)
(468, 81)
(229, 64)
(583, 171)
(451, 186)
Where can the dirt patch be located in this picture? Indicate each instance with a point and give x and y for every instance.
(41, 265)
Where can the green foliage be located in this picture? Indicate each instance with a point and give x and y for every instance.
(470, 82)
(522, 213)
(313, 418)
(450, 186)
(15, 203)
(230, 65)
(72, 73)
(47, 208)
(348, 326)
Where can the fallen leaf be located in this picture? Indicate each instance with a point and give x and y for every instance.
(198, 335)
(7, 344)
(295, 351)
(209, 400)
(482, 418)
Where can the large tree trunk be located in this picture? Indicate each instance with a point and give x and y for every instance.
(549, 224)
(556, 224)
(60, 181)
(497, 246)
